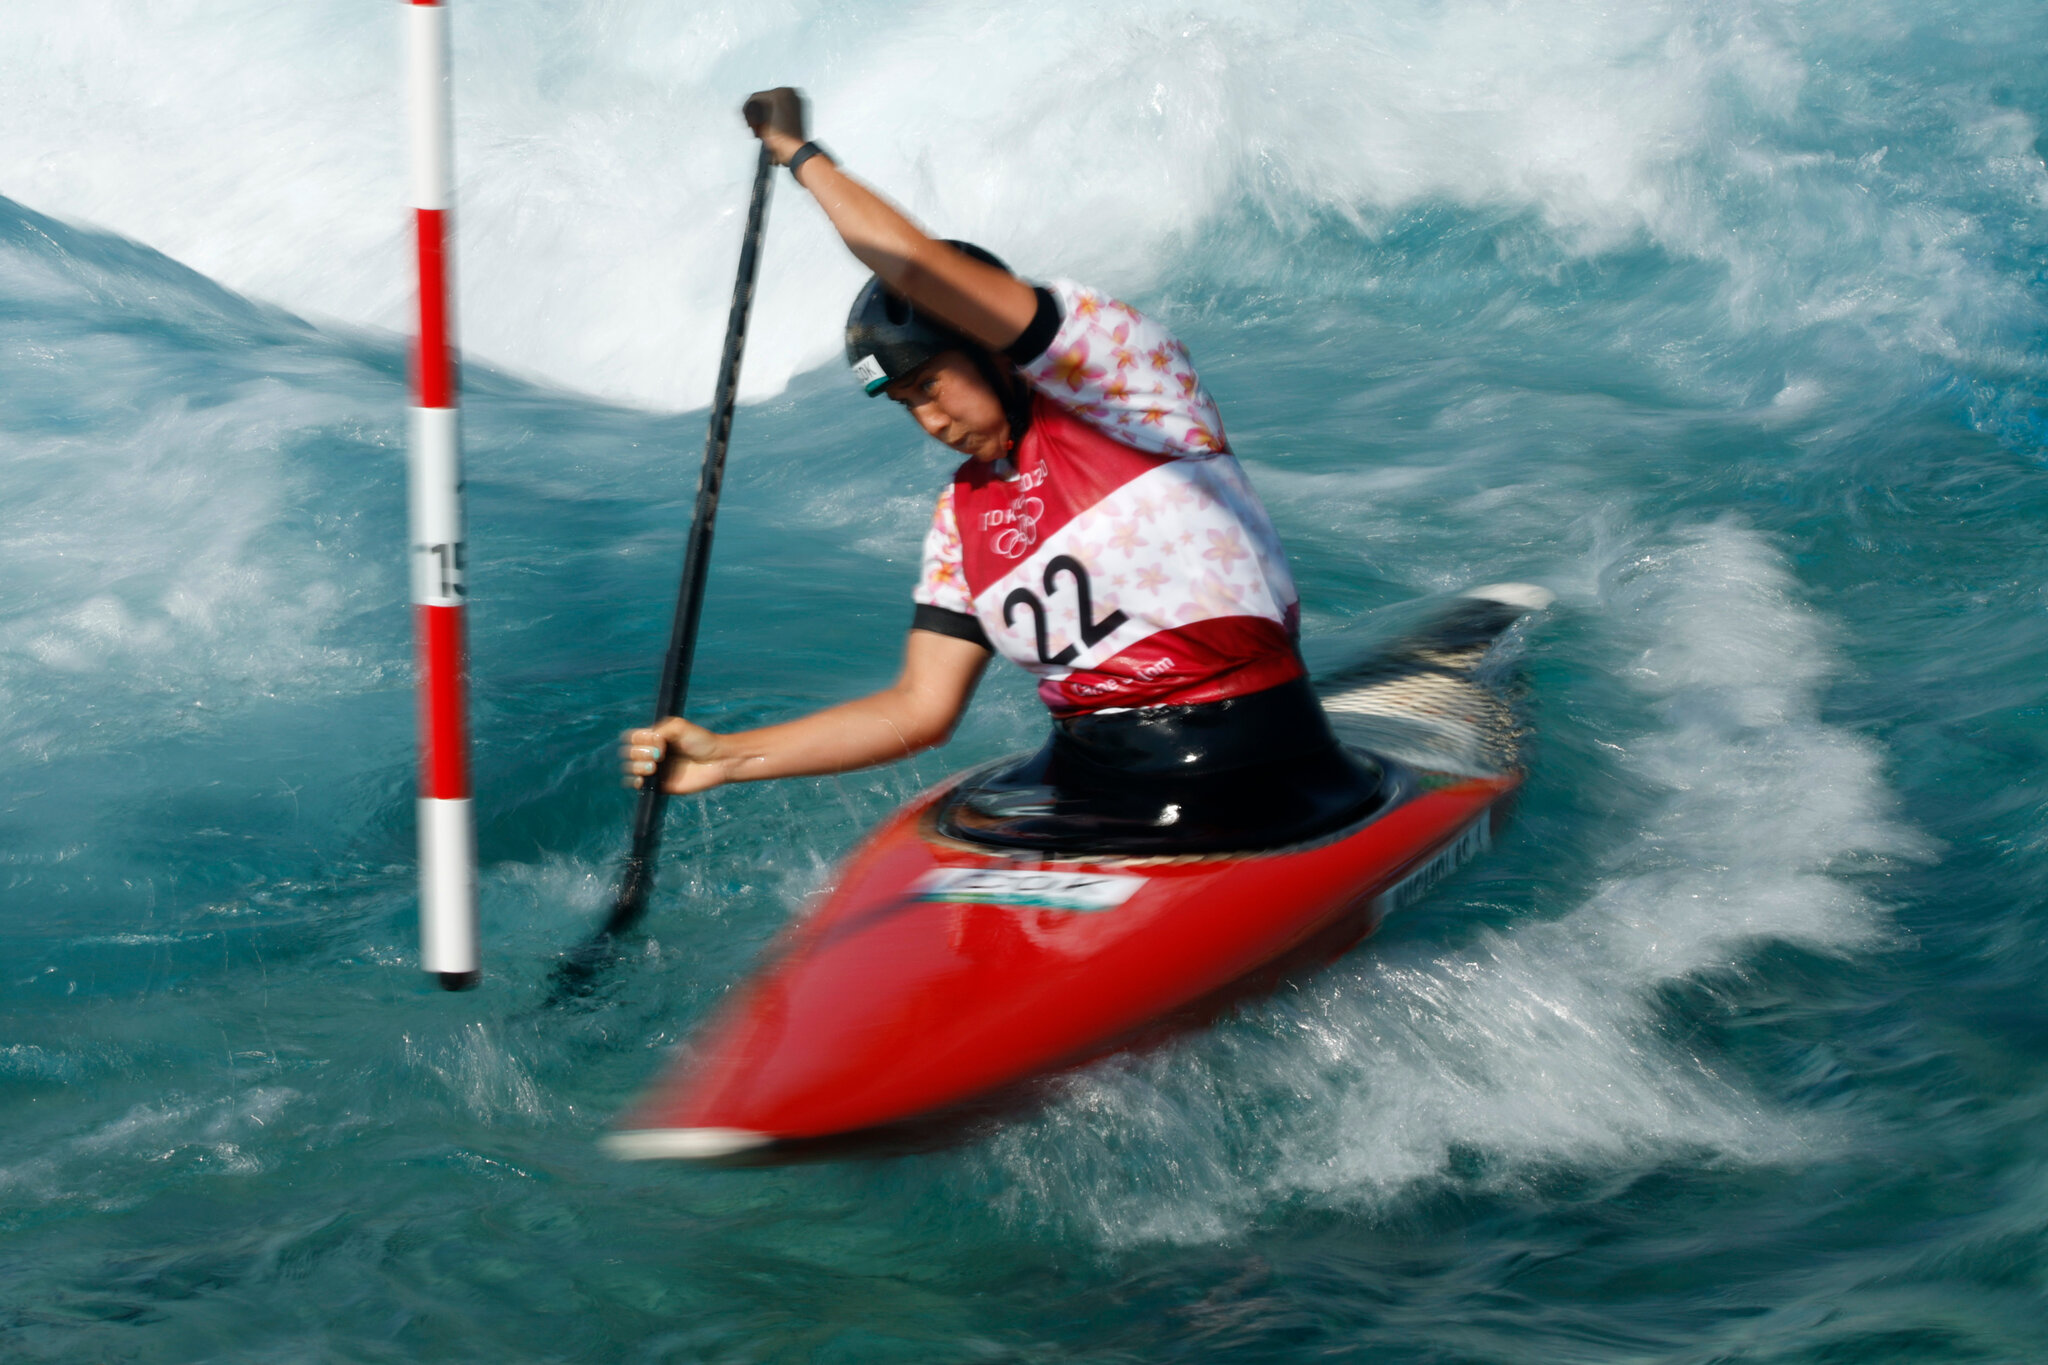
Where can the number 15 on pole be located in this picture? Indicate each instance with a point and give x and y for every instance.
(448, 937)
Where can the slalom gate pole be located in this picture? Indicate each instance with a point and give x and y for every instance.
(637, 880)
(448, 937)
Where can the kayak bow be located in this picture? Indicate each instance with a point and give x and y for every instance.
(939, 975)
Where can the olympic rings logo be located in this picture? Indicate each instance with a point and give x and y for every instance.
(1015, 539)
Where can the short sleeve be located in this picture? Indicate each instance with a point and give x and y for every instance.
(952, 624)
(1125, 375)
(942, 582)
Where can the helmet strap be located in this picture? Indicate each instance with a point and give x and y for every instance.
(1014, 396)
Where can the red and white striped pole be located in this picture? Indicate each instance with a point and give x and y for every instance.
(447, 839)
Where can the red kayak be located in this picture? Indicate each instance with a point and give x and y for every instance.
(939, 973)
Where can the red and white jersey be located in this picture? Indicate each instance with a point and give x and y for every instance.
(1119, 553)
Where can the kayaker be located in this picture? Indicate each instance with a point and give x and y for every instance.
(1099, 533)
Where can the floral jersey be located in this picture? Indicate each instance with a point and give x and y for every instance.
(1119, 553)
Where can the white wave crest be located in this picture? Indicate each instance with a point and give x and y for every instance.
(602, 165)
(1544, 1045)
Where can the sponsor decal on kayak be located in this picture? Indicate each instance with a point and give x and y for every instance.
(1413, 887)
(1088, 892)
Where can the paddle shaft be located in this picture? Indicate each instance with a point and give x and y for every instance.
(637, 880)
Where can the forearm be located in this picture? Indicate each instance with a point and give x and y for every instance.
(980, 301)
(874, 230)
(880, 728)
(939, 673)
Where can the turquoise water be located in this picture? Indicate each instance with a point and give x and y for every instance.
(1725, 323)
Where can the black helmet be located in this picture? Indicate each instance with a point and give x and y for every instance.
(886, 338)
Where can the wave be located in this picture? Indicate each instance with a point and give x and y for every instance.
(1491, 1059)
(165, 528)
(602, 167)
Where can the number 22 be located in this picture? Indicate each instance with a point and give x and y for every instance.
(1092, 631)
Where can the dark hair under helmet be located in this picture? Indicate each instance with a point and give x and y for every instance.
(886, 338)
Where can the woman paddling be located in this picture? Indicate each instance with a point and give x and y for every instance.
(1099, 533)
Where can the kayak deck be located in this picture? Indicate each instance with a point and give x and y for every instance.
(940, 975)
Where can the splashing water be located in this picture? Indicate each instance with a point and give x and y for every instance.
(1725, 323)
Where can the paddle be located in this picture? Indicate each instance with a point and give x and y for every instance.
(778, 107)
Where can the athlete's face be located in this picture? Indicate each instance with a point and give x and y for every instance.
(954, 404)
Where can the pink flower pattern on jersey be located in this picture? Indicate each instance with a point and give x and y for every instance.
(1225, 546)
(1201, 438)
(1070, 368)
(1123, 373)
(1212, 596)
(1127, 539)
(1206, 562)
(1181, 554)
(944, 581)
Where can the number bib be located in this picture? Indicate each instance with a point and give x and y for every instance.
(1123, 578)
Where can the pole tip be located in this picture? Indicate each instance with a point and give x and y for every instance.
(459, 981)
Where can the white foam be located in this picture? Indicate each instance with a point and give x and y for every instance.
(1542, 1045)
(153, 551)
(481, 1074)
(601, 167)
(220, 1136)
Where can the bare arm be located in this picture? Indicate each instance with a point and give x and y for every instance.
(989, 305)
(917, 713)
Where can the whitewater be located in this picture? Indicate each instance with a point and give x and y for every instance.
(1725, 323)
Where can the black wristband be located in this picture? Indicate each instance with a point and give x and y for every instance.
(805, 153)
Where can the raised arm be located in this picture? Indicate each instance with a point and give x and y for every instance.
(917, 713)
(990, 306)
